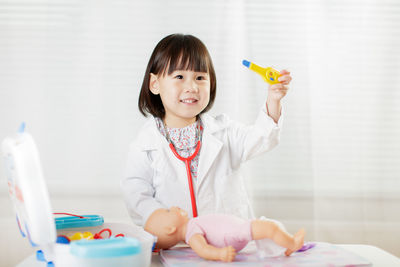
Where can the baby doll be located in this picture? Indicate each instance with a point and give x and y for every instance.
(216, 236)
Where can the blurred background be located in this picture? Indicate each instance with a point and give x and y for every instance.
(72, 70)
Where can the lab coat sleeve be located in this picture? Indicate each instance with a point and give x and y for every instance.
(137, 186)
(252, 140)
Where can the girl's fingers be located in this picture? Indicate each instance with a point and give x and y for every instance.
(283, 72)
(285, 79)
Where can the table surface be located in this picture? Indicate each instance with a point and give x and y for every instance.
(378, 257)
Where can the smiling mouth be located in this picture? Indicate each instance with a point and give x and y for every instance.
(188, 101)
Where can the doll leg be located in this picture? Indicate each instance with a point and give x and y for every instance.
(267, 229)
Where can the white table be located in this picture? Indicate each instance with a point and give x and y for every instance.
(377, 256)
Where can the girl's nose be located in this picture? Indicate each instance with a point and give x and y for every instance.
(192, 86)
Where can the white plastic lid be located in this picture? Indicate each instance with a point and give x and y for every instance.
(28, 190)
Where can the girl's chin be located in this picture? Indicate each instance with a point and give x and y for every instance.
(190, 115)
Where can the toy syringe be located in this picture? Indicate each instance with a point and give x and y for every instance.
(269, 74)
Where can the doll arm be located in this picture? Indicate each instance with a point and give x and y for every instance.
(199, 244)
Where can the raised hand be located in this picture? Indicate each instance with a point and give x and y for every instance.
(278, 91)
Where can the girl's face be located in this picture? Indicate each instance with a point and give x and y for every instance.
(184, 94)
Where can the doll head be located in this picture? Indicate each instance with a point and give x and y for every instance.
(169, 225)
(172, 53)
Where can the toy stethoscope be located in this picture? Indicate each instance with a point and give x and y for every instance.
(187, 162)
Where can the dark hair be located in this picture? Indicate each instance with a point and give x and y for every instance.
(177, 52)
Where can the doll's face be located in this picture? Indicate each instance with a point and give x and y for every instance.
(172, 217)
(177, 214)
(166, 225)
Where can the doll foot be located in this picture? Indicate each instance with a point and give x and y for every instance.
(298, 242)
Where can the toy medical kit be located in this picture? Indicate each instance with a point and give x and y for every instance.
(107, 248)
(74, 221)
(80, 235)
(269, 74)
(108, 230)
(98, 235)
(64, 241)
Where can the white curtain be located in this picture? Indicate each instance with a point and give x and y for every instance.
(72, 71)
(355, 119)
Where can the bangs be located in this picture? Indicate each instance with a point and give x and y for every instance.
(183, 53)
(188, 60)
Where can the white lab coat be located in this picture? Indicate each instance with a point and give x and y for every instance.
(155, 178)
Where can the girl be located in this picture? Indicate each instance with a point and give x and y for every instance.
(181, 146)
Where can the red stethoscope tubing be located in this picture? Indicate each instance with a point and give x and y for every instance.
(187, 162)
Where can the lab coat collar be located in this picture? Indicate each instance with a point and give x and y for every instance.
(150, 137)
(212, 124)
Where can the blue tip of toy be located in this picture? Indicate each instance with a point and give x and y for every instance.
(21, 128)
(246, 63)
(62, 240)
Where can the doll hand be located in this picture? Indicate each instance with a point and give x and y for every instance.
(278, 91)
(227, 254)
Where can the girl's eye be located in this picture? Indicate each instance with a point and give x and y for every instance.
(179, 77)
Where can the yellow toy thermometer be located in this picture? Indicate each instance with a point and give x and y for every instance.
(269, 74)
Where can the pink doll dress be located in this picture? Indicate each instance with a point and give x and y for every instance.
(221, 230)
